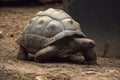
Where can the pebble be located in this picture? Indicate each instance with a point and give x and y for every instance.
(40, 78)
(1, 34)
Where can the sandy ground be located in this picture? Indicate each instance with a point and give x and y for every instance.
(12, 21)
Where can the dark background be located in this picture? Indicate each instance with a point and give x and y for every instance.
(100, 20)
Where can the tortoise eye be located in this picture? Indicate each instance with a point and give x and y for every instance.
(41, 22)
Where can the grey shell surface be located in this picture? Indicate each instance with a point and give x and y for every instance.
(52, 24)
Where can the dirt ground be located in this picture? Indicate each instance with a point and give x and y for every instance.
(12, 21)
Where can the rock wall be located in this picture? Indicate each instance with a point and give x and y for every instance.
(100, 20)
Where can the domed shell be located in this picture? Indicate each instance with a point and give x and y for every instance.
(53, 23)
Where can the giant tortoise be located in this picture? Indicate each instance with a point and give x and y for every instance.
(53, 33)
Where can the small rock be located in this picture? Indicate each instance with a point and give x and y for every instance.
(79, 78)
(11, 35)
(60, 76)
(90, 72)
(1, 34)
(40, 78)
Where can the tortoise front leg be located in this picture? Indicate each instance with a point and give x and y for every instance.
(22, 54)
(45, 54)
(90, 56)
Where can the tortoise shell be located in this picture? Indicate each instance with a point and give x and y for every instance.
(49, 26)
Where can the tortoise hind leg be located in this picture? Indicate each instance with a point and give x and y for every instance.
(23, 54)
(45, 54)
